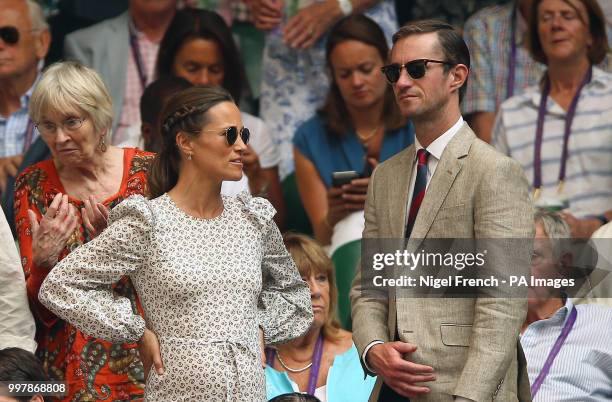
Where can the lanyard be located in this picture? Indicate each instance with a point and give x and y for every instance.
(142, 75)
(314, 369)
(316, 364)
(29, 134)
(569, 119)
(512, 61)
(569, 324)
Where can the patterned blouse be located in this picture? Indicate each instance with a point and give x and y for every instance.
(206, 286)
(93, 369)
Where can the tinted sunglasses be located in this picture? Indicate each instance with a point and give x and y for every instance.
(416, 69)
(10, 35)
(231, 134)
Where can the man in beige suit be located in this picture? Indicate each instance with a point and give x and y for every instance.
(443, 349)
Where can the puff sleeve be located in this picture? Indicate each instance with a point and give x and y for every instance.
(284, 306)
(79, 289)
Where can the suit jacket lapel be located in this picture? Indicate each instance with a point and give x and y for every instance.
(448, 168)
(401, 181)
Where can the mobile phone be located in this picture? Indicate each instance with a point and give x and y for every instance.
(339, 179)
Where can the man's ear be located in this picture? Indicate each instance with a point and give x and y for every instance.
(42, 41)
(459, 74)
(37, 398)
(184, 144)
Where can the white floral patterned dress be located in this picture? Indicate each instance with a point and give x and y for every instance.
(205, 286)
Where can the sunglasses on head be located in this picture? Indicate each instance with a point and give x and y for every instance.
(231, 134)
(416, 69)
(10, 35)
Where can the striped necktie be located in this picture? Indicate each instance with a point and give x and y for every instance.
(420, 185)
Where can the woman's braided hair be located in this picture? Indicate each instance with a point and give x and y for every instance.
(184, 112)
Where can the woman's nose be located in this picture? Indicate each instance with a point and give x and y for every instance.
(203, 78)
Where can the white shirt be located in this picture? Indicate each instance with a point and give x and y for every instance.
(16, 323)
(588, 180)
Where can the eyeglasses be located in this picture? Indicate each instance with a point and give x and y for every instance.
(231, 135)
(71, 124)
(10, 35)
(415, 68)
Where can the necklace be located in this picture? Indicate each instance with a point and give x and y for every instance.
(367, 137)
(289, 368)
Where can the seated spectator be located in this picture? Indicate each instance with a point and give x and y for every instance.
(501, 63)
(199, 47)
(152, 101)
(561, 131)
(123, 51)
(17, 366)
(16, 322)
(359, 126)
(25, 41)
(294, 82)
(575, 339)
(304, 364)
(62, 203)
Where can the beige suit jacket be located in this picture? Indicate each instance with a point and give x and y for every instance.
(472, 343)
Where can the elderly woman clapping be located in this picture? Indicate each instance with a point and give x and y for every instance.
(63, 203)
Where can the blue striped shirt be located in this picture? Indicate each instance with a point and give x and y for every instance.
(582, 370)
(13, 129)
(588, 180)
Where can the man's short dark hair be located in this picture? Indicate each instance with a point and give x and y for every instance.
(20, 365)
(451, 42)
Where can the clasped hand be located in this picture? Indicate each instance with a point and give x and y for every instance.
(389, 362)
(50, 235)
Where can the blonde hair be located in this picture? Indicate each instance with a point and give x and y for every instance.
(70, 85)
(309, 256)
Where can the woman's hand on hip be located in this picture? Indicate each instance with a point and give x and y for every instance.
(150, 353)
(95, 216)
(50, 235)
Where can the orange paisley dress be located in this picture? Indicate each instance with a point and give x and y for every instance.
(93, 369)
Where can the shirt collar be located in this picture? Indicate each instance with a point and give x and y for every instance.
(436, 148)
(565, 310)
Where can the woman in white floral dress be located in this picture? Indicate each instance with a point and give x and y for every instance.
(210, 270)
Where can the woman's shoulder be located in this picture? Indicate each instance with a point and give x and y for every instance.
(37, 174)
(311, 129)
(134, 208)
(255, 207)
(139, 160)
(344, 341)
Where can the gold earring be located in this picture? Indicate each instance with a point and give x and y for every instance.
(102, 144)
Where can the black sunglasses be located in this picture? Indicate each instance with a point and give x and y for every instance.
(415, 68)
(10, 35)
(231, 134)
